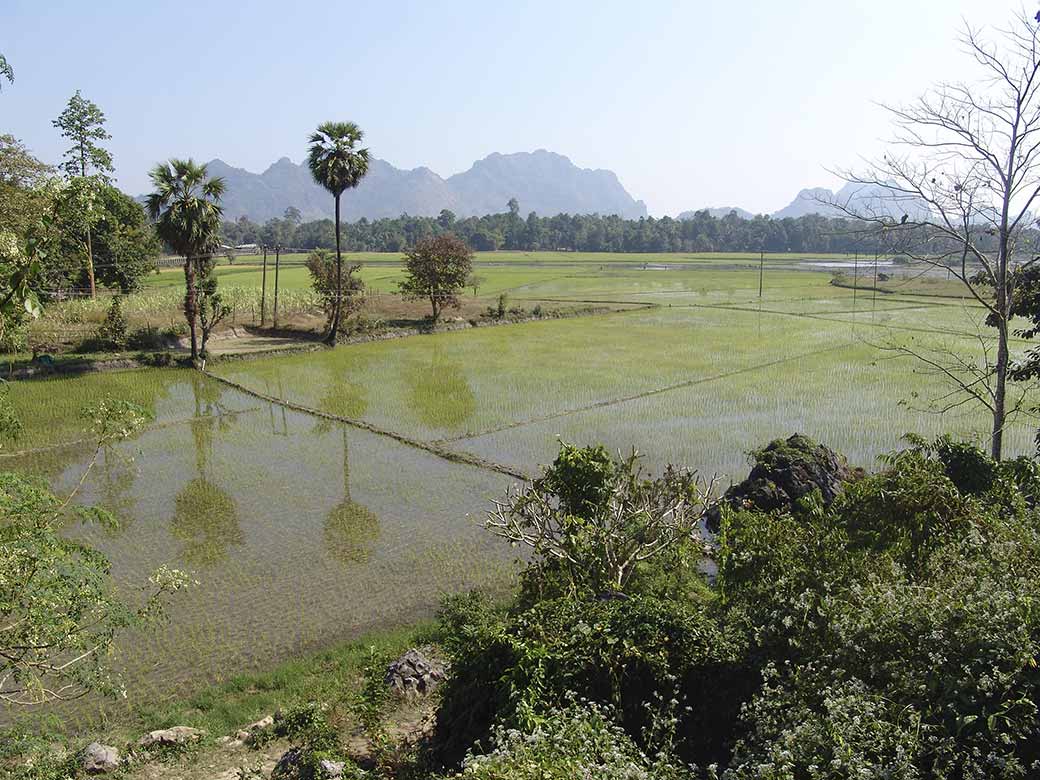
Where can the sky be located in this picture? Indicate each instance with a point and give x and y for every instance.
(691, 104)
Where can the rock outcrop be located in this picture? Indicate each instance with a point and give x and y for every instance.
(785, 471)
(178, 735)
(415, 673)
(98, 759)
(299, 764)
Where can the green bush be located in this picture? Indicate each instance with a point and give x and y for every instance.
(306, 725)
(598, 525)
(114, 331)
(892, 633)
(619, 651)
(896, 629)
(580, 741)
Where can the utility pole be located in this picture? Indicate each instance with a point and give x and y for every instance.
(263, 289)
(761, 270)
(855, 280)
(873, 299)
(277, 261)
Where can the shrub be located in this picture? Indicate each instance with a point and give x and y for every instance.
(621, 652)
(579, 741)
(597, 525)
(114, 331)
(321, 264)
(151, 338)
(306, 725)
(895, 629)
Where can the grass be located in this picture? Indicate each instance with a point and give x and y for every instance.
(331, 676)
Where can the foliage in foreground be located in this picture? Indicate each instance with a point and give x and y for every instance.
(891, 634)
(59, 614)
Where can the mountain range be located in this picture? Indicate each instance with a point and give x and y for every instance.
(865, 199)
(541, 181)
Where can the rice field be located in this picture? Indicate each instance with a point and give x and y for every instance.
(303, 531)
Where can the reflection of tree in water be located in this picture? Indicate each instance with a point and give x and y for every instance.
(115, 474)
(206, 522)
(350, 528)
(440, 395)
(205, 519)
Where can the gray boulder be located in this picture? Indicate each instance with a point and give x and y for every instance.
(785, 471)
(331, 769)
(178, 735)
(415, 673)
(299, 764)
(248, 734)
(98, 759)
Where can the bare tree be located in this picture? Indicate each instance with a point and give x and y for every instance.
(964, 170)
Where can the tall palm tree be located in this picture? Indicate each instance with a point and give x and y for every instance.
(186, 209)
(337, 164)
(6, 70)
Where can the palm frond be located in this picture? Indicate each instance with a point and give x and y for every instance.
(334, 159)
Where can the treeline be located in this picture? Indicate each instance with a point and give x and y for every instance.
(574, 232)
(566, 232)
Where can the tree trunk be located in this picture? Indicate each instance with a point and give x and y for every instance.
(277, 262)
(90, 265)
(191, 306)
(1001, 369)
(263, 292)
(999, 393)
(334, 330)
(436, 309)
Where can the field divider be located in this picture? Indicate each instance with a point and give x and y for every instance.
(644, 394)
(432, 447)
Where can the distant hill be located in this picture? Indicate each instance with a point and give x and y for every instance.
(719, 213)
(864, 199)
(861, 198)
(541, 181)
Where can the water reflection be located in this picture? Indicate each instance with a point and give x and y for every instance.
(205, 519)
(439, 394)
(115, 473)
(351, 529)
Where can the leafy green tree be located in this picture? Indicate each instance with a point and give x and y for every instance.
(83, 123)
(337, 164)
(21, 276)
(437, 269)
(24, 194)
(346, 289)
(186, 209)
(59, 615)
(6, 70)
(126, 246)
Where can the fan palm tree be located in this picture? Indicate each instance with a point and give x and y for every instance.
(337, 164)
(6, 70)
(186, 209)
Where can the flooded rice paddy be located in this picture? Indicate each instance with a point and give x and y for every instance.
(303, 531)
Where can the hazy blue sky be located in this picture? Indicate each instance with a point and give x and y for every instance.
(691, 103)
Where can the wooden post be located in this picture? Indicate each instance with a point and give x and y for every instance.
(761, 270)
(263, 290)
(873, 299)
(277, 259)
(855, 281)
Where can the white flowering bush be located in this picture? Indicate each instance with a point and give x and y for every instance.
(578, 742)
